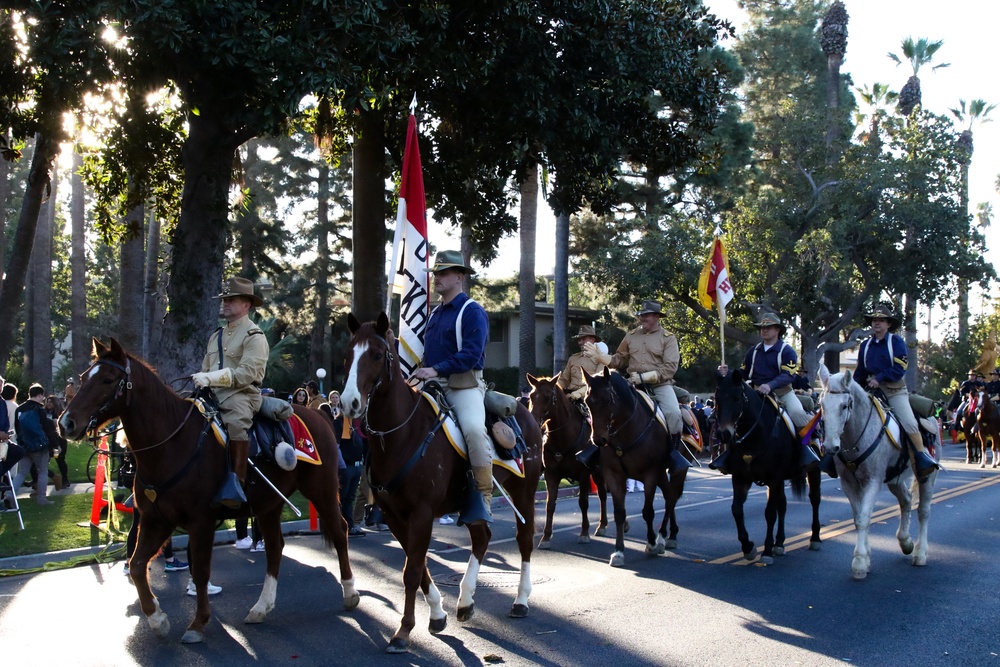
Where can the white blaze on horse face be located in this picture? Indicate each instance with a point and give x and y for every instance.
(351, 398)
(93, 371)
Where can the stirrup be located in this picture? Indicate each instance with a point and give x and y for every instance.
(677, 462)
(827, 465)
(810, 461)
(476, 510)
(231, 494)
(720, 463)
(587, 454)
(925, 464)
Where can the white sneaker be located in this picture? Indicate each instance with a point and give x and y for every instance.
(212, 589)
(257, 548)
(446, 520)
(245, 543)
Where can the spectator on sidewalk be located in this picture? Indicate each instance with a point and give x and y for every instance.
(54, 408)
(36, 433)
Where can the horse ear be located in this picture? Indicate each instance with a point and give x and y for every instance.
(588, 378)
(352, 323)
(607, 373)
(823, 374)
(382, 324)
(532, 380)
(117, 349)
(97, 347)
(737, 376)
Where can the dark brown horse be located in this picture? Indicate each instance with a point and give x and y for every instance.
(416, 475)
(634, 445)
(566, 433)
(179, 468)
(988, 422)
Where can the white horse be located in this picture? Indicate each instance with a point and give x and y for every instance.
(858, 437)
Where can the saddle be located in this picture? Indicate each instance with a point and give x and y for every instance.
(691, 432)
(270, 435)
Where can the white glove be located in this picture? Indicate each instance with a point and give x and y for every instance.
(592, 352)
(579, 394)
(639, 378)
(219, 378)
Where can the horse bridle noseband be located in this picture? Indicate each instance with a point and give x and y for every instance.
(854, 464)
(743, 405)
(389, 359)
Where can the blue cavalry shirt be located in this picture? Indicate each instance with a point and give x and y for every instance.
(772, 367)
(441, 344)
(885, 359)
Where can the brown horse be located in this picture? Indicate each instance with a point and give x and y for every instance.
(988, 422)
(416, 475)
(637, 447)
(179, 468)
(566, 433)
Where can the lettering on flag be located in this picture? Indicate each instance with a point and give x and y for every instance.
(410, 257)
(714, 286)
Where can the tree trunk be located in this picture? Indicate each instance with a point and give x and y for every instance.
(319, 356)
(526, 278)
(199, 246)
(910, 336)
(833, 63)
(39, 354)
(368, 298)
(133, 279)
(4, 196)
(963, 281)
(78, 271)
(150, 295)
(560, 308)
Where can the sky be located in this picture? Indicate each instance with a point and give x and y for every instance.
(876, 27)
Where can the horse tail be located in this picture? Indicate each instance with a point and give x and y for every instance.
(798, 481)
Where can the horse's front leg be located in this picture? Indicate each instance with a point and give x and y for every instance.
(480, 535)
(676, 486)
(602, 494)
(654, 543)
(862, 563)
(616, 485)
(151, 537)
(741, 488)
(270, 529)
(584, 499)
(926, 491)
(900, 487)
(774, 515)
(416, 537)
(200, 542)
(551, 494)
(525, 542)
(815, 495)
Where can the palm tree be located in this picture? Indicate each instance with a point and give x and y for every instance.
(917, 54)
(877, 98)
(834, 43)
(978, 111)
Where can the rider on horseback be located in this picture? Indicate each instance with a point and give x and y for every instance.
(969, 391)
(651, 355)
(881, 365)
(768, 366)
(234, 366)
(573, 383)
(993, 386)
(457, 356)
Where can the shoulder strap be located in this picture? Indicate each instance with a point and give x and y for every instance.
(218, 339)
(458, 322)
(753, 360)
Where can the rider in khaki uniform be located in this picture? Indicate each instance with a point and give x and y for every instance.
(651, 355)
(237, 377)
(572, 381)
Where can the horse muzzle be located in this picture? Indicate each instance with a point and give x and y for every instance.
(69, 428)
(727, 434)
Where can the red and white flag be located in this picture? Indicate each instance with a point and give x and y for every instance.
(410, 256)
(714, 286)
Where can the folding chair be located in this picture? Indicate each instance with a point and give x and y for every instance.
(7, 486)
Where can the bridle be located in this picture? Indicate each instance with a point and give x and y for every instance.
(611, 429)
(853, 464)
(744, 402)
(388, 360)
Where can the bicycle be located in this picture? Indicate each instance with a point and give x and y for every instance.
(120, 464)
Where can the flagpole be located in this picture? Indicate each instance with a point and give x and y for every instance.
(722, 330)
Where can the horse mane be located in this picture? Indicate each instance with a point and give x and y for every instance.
(624, 390)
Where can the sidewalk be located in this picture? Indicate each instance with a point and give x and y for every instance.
(227, 536)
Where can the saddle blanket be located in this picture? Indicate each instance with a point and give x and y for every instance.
(692, 433)
(305, 446)
(457, 440)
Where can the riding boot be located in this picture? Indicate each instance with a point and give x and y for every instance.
(720, 463)
(231, 494)
(587, 454)
(810, 461)
(677, 460)
(923, 461)
(477, 503)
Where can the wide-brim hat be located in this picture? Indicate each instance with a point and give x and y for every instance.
(884, 311)
(771, 320)
(237, 286)
(587, 330)
(450, 259)
(995, 371)
(650, 307)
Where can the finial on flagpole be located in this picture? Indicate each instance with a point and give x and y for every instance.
(413, 104)
(718, 230)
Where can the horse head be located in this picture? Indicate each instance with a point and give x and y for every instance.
(611, 401)
(731, 398)
(372, 363)
(546, 394)
(840, 393)
(103, 390)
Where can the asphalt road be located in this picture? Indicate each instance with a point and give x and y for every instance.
(702, 604)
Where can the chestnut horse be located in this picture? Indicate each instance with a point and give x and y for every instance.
(417, 475)
(179, 468)
(988, 422)
(566, 433)
(762, 451)
(634, 444)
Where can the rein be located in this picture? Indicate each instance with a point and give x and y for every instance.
(854, 464)
(389, 358)
(756, 421)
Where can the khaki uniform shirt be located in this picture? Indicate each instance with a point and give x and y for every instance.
(571, 378)
(656, 351)
(316, 401)
(245, 350)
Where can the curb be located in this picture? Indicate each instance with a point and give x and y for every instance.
(46, 561)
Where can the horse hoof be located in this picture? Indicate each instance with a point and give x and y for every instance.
(982, 465)
(766, 560)
(858, 576)
(352, 602)
(919, 561)
(749, 552)
(437, 625)
(778, 551)
(671, 544)
(967, 461)
(254, 617)
(601, 532)
(617, 559)
(193, 637)
(397, 645)
(654, 549)
(465, 613)
(584, 539)
(518, 611)
(545, 545)
(907, 547)
(815, 545)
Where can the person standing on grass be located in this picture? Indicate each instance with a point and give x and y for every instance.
(36, 433)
